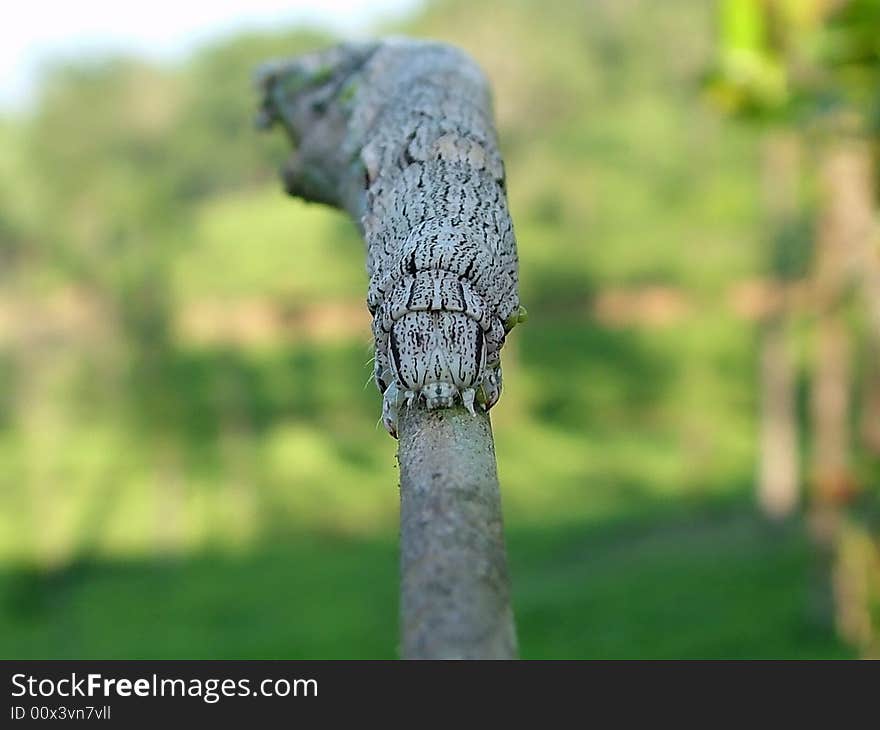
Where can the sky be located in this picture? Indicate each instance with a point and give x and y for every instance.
(37, 30)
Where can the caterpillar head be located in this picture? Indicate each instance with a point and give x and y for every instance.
(436, 342)
(439, 356)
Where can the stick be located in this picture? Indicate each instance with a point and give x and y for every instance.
(455, 594)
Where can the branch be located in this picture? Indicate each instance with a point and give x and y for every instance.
(345, 111)
(455, 592)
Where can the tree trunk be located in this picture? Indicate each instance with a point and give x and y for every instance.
(374, 124)
(778, 479)
(866, 211)
(839, 255)
(852, 261)
(778, 473)
(844, 232)
(870, 422)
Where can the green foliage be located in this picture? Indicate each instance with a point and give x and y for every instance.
(751, 75)
(791, 59)
(851, 51)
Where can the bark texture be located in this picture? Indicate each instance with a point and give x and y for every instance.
(455, 595)
(399, 135)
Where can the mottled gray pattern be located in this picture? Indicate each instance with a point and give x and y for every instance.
(400, 134)
(441, 253)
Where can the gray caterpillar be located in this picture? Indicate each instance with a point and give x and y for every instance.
(400, 134)
(441, 252)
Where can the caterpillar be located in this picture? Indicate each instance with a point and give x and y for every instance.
(441, 252)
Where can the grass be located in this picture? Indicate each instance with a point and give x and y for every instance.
(690, 583)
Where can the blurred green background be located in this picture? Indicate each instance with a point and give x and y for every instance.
(190, 464)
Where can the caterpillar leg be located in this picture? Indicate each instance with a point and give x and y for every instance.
(382, 374)
(491, 385)
(392, 400)
(467, 399)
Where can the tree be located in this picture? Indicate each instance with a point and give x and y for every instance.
(811, 68)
